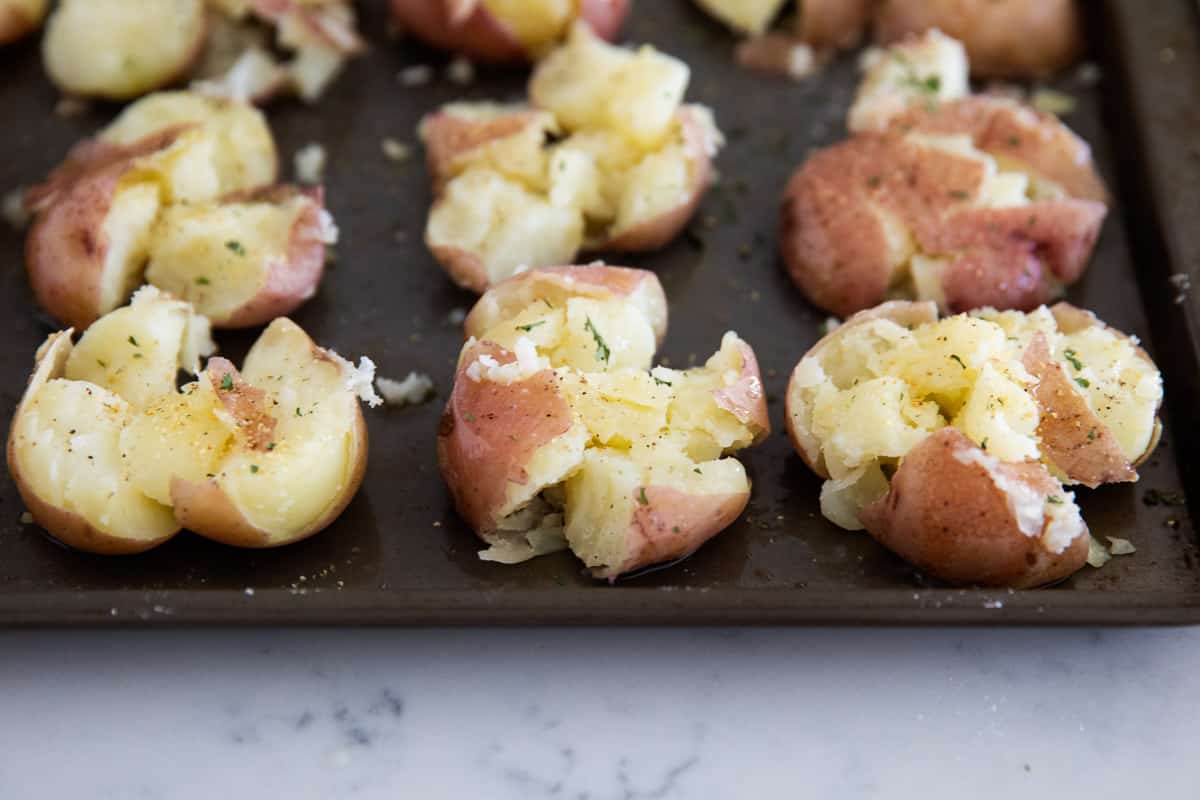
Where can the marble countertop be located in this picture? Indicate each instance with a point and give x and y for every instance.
(599, 714)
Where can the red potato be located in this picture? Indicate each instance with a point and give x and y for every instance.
(19, 18)
(120, 49)
(951, 204)
(1004, 38)
(243, 262)
(556, 436)
(607, 158)
(504, 30)
(947, 439)
(833, 24)
(111, 458)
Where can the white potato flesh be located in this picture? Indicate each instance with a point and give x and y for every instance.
(535, 23)
(504, 224)
(126, 230)
(218, 256)
(590, 83)
(177, 435)
(931, 69)
(121, 48)
(289, 486)
(66, 441)
(876, 389)
(243, 153)
(138, 350)
(744, 16)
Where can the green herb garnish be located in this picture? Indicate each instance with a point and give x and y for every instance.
(983, 444)
(203, 281)
(602, 351)
(661, 382)
(254, 468)
(1073, 357)
(1092, 435)
(1053, 498)
(133, 341)
(469, 417)
(1084, 382)
(642, 496)
(227, 385)
(954, 356)
(531, 326)
(959, 194)
(235, 247)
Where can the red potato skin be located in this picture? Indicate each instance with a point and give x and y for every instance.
(467, 28)
(671, 525)
(15, 24)
(1003, 38)
(745, 399)
(489, 431)
(949, 520)
(65, 249)
(833, 24)
(294, 279)
(66, 526)
(448, 137)
(464, 267)
(654, 234)
(591, 280)
(834, 245)
(335, 35)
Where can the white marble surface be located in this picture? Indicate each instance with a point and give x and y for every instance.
(599, 714)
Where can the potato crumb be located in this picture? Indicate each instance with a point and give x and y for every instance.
(1120, 547)
(1097, 554)
(26, 518)
(460, 71)
(1052, 101)
(456, 316)
(310, 163)
(415, 389)
(416, 75)
(395, 150)
(1182, 283)
(15, 213)
(327, 229)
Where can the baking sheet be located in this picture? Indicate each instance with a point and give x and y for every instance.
(400, 555)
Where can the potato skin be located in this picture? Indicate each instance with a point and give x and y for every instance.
(833, 24)
(20, 19)
(66, 526)
(468, 28)
(591, 280)
(656, 233)
(745, 399)
(1004, 38)
(837, 248)
(489, 431)
(448, 137)
(949, 519)
(671, 525)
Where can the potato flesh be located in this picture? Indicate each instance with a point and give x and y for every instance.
(879, 389)
(126, 228)
(535, 23)
(121, 48)
(744, 16)
(137, 350)
(67, 446)
(932, 69)
(243, 153)
(218, 256)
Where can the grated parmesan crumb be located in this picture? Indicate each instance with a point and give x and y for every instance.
(416, 75)
(15, 213)
(396, 150)
(327, 229)
(26, 518)
(310, 163)
(456, 316)
(460, 71)
(415, 389)
(360, 379)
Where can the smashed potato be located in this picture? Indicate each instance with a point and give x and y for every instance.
(119, 49)
(626, 167)
(19, 18)
(176, 191)
(558, 434)
(110, 457)
(969, 202)
(950, 440)
(505, 30)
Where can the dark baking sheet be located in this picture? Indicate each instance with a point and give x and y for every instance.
(400, 555)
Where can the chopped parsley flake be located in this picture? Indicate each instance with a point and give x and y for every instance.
(133, 341)
(1092, 435)
(103, 364)
(1073, 357)
(675, 529)
(254, 468)
(661, 382)
(235, 247)
(642, 496)
(602, 351)
(203, 281)
(1084, 382)
(299, 413)
(697, 471)
(1053, 498)
(270, 445)
(227, 385)
(983, 444)
(469, 417)
(531, 326)
(959, 194)
(954, 356)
